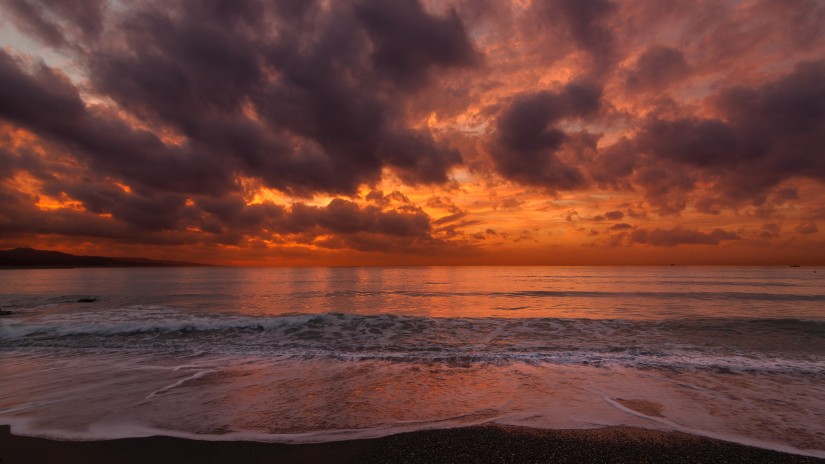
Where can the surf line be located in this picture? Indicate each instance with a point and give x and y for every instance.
(718, 436)
(180, 382)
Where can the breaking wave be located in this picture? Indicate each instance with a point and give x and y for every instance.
(793, 346)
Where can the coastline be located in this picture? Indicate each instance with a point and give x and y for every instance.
(486, 443)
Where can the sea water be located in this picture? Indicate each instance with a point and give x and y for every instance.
(320, 354)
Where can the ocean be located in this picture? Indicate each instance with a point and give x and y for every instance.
(320, 354)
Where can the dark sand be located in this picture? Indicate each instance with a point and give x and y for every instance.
(493, 444)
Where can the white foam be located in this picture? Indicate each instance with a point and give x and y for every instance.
(180, 382)
(186, 366)
(256, 394)
(114, 431)
(671, 425)
(403, 339)
(136, 320)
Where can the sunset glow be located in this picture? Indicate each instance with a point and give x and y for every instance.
(411, 132)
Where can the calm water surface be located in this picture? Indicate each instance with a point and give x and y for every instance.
(318, 354)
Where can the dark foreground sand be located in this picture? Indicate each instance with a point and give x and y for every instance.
(493, 444)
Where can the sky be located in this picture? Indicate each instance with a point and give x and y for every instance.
(407, 132)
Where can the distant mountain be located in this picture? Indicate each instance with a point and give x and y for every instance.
(29, 257)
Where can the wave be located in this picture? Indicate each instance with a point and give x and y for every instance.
(169, 320)
(724, 345)
(129, 327)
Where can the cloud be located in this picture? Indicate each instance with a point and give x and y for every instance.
(116, 215)
(621, 226)
(680, 236)
(587, 24)
(318, 107)
(762, 135)
(450, 218)
(190, 96)
(385, 200)
(56, 21)
(656, 69)
(407, 42)
(45, 102)
(528, 136)
(692, 141)
(787, 194)
(346, 217)
(770, 230)
(807, 228)
(170, 121)
(614, 215)
(443, 203)
(613, 166)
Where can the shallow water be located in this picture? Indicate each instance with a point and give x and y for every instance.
(316, 354)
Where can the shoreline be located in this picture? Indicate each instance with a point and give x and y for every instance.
(475, 444)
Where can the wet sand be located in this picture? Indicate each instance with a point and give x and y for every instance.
(491, 444)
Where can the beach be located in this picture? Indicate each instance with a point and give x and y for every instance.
(481, 444)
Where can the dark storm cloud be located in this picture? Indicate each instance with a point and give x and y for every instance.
(528, 135)
(407, 41)
(695, 142)
(657, 68)
(586, 22)
(303, 97)
(7, 164)
(45, 102)
(299, 96)
(613, 166)
(328, 89)
(762, 136)
(680, 236)
(42, 100)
